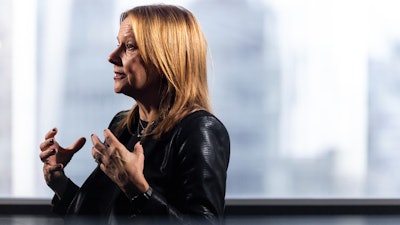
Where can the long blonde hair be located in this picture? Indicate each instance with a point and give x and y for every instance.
(170, 40)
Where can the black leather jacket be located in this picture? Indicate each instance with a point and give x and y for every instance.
(186, 170)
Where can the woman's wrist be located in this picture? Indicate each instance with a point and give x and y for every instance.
(147, 194)
(132, 190)
(143, 187)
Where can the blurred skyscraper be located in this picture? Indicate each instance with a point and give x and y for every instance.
(384, 124)
(245, 70)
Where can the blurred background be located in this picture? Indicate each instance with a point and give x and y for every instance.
(309, 91)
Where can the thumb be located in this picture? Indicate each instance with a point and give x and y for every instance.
(77, 145)
(138, 148)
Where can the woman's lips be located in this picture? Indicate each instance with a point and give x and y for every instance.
(119, 76)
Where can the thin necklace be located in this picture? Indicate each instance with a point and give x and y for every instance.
(140, 128)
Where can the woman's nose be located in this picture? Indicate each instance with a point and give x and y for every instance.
(114, 57)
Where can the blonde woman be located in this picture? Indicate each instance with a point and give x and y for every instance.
(166, 159)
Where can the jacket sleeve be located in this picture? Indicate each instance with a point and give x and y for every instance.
(60, 206)
(203, 150)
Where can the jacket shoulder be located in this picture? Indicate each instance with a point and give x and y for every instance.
(201, 117)
(117, 119)
(201, 122)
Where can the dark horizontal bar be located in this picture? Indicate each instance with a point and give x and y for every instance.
(259, 207)
(247, 207)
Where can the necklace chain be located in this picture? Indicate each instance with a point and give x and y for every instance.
(140, 129)
(141, 125)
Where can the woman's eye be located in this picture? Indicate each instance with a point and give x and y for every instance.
(131, 47)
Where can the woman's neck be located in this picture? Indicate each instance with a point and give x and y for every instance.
(147, 113)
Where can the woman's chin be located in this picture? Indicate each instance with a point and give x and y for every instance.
(117, 90)
(121, 91)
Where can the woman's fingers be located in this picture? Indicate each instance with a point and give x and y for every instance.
(49, 169)
(101, 152)
(113, 157)
(98, 156)
(44, 155)
(51, 133)
(110, 140)
(49, 140)
(95, 140)
(98, 149)
(46, 144)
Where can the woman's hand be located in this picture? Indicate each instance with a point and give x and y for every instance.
(55, 158)
(123, 167)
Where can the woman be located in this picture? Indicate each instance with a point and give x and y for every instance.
(167, 157)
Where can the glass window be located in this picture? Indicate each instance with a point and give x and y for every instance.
(309, 91)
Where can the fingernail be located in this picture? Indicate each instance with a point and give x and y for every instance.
(54, 129)
(51, 141)
(59, 166)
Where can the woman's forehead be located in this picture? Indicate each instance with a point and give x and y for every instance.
(125, 30)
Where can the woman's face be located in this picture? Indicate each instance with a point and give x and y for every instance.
(130, 75)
